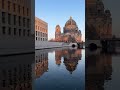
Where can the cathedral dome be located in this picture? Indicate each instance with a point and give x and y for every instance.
(70, 22)
(70, 25)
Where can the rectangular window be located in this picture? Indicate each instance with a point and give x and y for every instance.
(14, 19)
(8, 5)
(3, 17)
(19, 32)
(24, 32)
(14, 9)
(28, 21)
(9, 31)
(27, 11)
(18, 8)
(23, 11)
(36, 27)
(36, 38)
(9, 18)
(24, 22)
(3, 30)
(19, 21)
(28, 32)
(3, 4)
(41, 34)
(14, 31)
(36, 33)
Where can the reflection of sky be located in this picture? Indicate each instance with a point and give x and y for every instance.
(59, 78)
(114, 7)
(59, 11)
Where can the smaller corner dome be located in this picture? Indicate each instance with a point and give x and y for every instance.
(80, 31)
(107, 11)
(58, 29)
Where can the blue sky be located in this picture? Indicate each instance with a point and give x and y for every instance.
(56, 12)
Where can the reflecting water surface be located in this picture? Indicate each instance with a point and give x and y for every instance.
(60, 69)
(102, 70)
(16, 72)
(50, 69)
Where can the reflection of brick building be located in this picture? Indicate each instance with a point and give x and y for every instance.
(16, 72)
(98, 20)
(71, 33)
(41, 64)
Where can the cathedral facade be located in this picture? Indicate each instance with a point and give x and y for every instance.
(98, 20)
(71, 33)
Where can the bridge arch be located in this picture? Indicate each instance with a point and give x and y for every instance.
(94, 43)
(92, 46)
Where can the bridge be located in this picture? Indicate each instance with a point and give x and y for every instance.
(79, 45)
(104, 43)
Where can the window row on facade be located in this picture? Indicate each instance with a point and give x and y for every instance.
(41, 39)
(41, 34)
(17, 8)
(14, 31)
(10, 19)
(39, 26)
(41, 29)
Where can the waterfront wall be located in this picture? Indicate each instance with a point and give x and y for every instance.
(17, 46)
(46, 44)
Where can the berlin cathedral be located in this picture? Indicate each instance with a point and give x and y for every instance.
(99, 20)
(71, 33)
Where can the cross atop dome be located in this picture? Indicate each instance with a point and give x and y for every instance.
(70, 17)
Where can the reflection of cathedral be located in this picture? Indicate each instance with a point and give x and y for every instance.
(71, 60)
(70, 57)
(98, 70)
(99, 21)
(71, 33)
